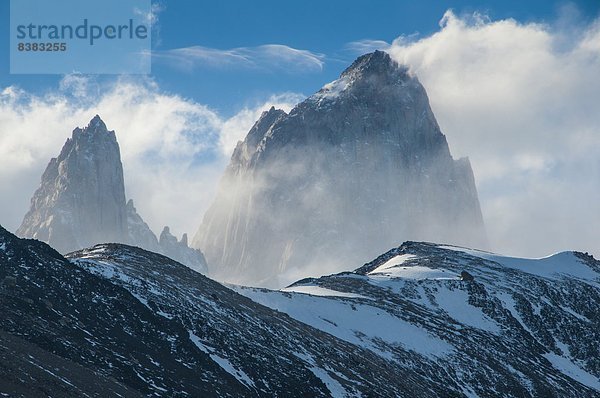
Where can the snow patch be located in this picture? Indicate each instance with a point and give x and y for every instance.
(49, 372)
(360, 324)
(315, 290)
(559, 264)
(334, 387)
(509, 303)
(573, 371)
(456, 304)
(240, 375)
(395, 261)
(331, 90)
(335, 88)
(416, 272)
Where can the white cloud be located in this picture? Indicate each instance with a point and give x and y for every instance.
(521, 100)
(173, 149)
(75, 84)
(264, 57)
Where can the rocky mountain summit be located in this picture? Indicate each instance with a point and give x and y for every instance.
(81, 201)
(356, 168)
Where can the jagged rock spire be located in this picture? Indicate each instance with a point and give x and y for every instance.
(81, 198)
(81, 201)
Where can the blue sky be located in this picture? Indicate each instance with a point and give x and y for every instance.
(324, 28)
(513, 85)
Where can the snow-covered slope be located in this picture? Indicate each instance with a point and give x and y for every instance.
(519, 327)
(79, 335)
(267, 352)
(422, 320)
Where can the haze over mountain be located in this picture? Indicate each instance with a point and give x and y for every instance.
(356, 168)
(81, 201)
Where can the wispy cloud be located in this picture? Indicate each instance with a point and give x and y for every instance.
(151, 17)
(366, 46)
(264, 57)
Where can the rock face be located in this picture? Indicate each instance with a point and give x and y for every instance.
(81, 201)
(180, 251)
(81, 198)
(139, 231)
(356, 168)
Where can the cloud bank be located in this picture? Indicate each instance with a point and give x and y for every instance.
(521, 100)
(173, 149)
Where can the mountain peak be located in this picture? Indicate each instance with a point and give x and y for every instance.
(375, 63)
(375, 59)
(374, 73)
(262, 125)
(94, 131)
(81, 198)
(344, 169)
(81, 201)
(96, 124)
